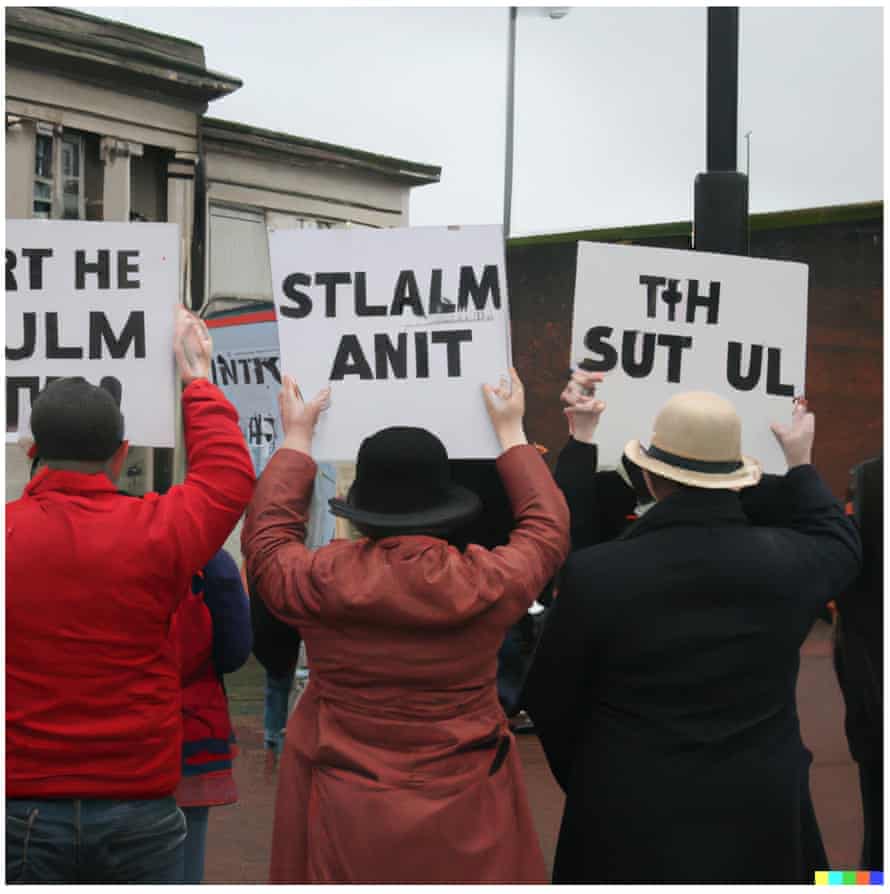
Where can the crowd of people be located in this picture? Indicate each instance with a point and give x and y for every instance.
(677, 591)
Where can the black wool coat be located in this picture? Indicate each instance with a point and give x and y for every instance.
(663, 690)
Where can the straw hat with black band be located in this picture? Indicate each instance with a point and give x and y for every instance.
(697, 441)
(403, 486)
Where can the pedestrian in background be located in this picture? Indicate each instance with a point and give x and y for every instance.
(211, 629)
(859, 656)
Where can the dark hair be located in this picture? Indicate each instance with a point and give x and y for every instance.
(635, 474)
(74, 420)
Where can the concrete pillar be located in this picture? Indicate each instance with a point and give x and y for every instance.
(19, 167)
(180, 210)
(115, 155)
(19, 196)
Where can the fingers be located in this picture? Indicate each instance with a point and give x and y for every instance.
(585, 379)
(322, 400)
(589, 407)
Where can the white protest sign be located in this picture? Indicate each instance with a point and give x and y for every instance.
(405, 325)
(246, 368)
(94, 300)
(659, 322)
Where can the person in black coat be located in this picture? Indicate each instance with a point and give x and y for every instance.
(859, 656)
(663, 687)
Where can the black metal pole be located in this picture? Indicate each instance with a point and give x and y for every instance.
(721, 194)
(723, 87)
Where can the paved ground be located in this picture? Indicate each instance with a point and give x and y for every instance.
(239, 835)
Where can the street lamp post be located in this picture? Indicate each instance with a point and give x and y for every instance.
(508, 148)
(554, 12)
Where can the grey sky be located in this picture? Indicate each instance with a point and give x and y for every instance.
(610, 102)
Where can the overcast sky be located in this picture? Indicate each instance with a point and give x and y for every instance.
(610, 101)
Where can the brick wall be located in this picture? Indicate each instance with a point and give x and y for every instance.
(844, 330)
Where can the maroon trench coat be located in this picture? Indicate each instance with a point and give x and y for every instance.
(398, 764)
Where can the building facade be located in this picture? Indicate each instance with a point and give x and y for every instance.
(105, 121)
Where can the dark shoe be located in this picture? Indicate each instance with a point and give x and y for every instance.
(521, 724)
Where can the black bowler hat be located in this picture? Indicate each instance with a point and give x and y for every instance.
(403, 485)
(74, 420)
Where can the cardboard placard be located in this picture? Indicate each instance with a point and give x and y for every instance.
(659, 322)
(246, 367)
(94, 300)
(404, 324)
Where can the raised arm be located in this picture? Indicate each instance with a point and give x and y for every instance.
(539, 542)
(831, 542)
(202, 511)
(577, 461)
(274, 532)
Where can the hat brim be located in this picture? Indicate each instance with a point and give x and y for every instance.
(748, 474)
(459, 506)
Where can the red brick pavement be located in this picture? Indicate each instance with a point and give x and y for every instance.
(239, 835)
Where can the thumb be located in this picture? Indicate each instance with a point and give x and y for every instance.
(780, 431)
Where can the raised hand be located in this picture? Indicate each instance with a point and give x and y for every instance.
(192, 346)
(298, 417)
(506, 407)
(582, 407)
(796, 440)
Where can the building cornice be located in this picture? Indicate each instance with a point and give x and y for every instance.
(235, 138)
(112, 54)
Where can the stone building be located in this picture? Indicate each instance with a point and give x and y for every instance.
(105, 121)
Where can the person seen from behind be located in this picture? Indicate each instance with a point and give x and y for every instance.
(93, 577)
(663, 686)
(399, 765)
(211, 629)
(859, 656)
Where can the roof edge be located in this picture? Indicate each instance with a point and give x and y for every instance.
(257, 138)
(769, 220)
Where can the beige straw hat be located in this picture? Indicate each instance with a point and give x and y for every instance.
(697, 441)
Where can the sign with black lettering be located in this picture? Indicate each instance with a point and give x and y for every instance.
(95, 300)
(658, 321)
(404, 324)
(246, 367)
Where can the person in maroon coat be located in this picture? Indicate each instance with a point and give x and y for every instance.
(93, 577)
(399, 765)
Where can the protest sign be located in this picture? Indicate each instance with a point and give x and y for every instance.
(246, 367)
(95, 300)
(658, 322)
(404, 324)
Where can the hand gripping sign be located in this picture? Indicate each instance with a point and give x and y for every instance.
(95, 300)
(659, 321)
(405, 325)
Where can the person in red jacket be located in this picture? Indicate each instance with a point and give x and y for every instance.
(93, 577)
(212, 632)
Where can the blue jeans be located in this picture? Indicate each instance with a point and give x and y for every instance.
(94, 841)
(195, 844)
(275, 708)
